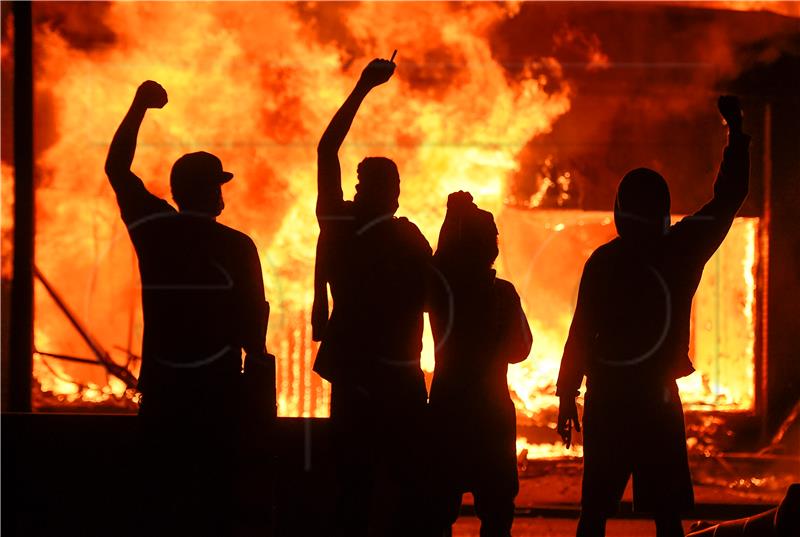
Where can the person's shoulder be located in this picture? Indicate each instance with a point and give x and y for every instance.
(505, 288)
(409, 228)
(605, 251)
(411, 232)
(234, 235)
(603, 256)
(147, 211)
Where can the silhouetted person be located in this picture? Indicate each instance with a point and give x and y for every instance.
(370, 351)
(630, 338)
(478, 328)
(203, 302)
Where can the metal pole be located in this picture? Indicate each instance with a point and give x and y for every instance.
(21, 322)
(765, 228)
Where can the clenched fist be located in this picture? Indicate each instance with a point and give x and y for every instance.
(151, 95)
(377, 72)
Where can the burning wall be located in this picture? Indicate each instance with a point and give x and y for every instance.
(473, 106)
(452, 119)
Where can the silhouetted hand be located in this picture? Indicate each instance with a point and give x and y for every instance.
(731, 111)
(376, 73)
(567, 419)
(460, 201)
(151, 95)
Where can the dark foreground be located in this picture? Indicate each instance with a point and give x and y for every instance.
(76, 475)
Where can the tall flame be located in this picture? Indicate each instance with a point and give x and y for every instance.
(257, 87)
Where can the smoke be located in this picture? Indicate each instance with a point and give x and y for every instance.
(645, 80)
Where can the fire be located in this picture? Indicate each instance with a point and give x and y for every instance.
(789, 9)
(452, 119)
(257, 87)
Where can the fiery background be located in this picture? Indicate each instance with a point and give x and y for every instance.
(537, 109)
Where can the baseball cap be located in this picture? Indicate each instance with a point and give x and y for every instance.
(198, 166)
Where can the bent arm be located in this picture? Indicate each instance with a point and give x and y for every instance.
(255, 307)
(705, 230)
(733, 179)
(123, 146)
(329, 174)
(517, 338)
(133, 198)
(320, 306)
(579, 341)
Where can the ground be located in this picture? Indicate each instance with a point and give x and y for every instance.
(557, 527)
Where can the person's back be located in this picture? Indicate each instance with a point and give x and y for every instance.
(644, 297)
(203, 303)
(193, 272)
(478, 329)
(630, 338)
(470, 335)
(370, 347)
(376, 273)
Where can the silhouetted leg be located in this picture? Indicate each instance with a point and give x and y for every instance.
(403, 499)
(591, 525)
(495, 511)
(496, 488)
(668, 525)
(352, 436)
(446, 480)
(662, 482)
(607, 459)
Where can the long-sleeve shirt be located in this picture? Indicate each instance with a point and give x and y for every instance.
(632, 318)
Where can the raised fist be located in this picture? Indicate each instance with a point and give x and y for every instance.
(460, 201)
(151, 95)
(377, 72)
(731, 110)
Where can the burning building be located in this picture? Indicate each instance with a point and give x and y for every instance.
(537, 110)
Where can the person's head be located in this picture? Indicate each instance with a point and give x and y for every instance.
(468, 238)
(378, 187)
(641, 209)
(196, 182)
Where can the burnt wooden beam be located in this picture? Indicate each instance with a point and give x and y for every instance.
(21, 322)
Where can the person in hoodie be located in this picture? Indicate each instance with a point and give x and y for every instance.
(478, 328)
(630, 338)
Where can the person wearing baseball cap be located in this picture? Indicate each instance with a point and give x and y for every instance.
(202, 305)
(196, 181)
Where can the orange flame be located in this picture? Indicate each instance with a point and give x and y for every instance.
(257, 87)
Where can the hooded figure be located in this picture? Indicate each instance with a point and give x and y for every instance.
(641, 208)
(478, 329)
(630, 338)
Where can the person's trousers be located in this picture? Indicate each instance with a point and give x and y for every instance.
(379, 461)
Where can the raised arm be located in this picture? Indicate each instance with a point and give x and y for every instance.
(705, 230)
(131, 192)
(329, 175)
(123, 146)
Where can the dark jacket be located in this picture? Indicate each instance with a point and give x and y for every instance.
(631, 322)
